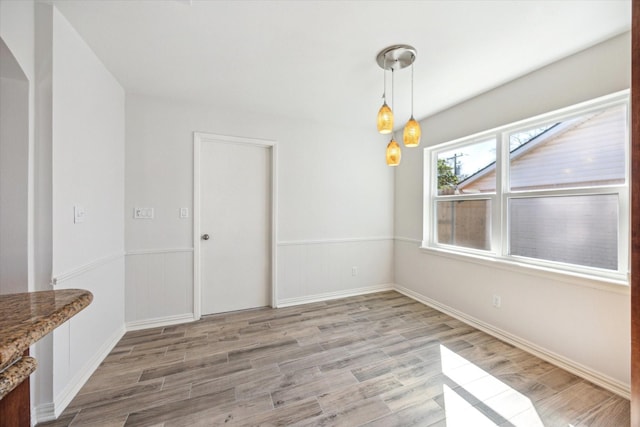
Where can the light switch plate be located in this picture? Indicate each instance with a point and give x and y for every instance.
(143, 213)
(78, 214)
(184, 212)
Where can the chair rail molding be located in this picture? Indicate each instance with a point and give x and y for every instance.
(60, 278)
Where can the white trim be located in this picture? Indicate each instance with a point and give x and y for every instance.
(228, 139)
(558, 114)
(408, 240)
(158, 251)
(499, 221)
(611, 384)
(274, 224)
(42, 413)
(572, 278)
(287, 302)
(198, 138)
(197, 309)
(160, 322)
(333, 241)
(56, 280)
(62, 400)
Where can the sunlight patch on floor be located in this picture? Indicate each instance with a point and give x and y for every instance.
(481, 385)
(460, 413)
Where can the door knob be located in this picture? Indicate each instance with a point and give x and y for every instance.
(205, 237)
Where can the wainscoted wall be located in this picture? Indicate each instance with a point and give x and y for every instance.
(576, 320)
(160, 282)
(73, 363)
(79, 163)
(328, 205)
(327, 202)
(581, 326)
(313, 270)
(160, 287)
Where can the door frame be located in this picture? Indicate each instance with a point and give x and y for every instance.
(635, 213)
(198, 139)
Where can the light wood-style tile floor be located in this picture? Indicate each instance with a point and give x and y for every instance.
(376, 360)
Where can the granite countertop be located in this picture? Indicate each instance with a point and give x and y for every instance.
(27, 317)
(13, 376)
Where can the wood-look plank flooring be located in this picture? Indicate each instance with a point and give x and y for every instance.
(377, 360)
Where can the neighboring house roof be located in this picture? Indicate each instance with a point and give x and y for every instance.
(566, 152)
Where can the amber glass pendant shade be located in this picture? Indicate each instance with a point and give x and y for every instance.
(393, 153)
(412, 132)
(385, 119)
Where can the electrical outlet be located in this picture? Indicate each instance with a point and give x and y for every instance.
(354, 271)
(497, 301)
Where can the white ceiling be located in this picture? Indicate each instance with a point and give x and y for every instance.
(316, 59)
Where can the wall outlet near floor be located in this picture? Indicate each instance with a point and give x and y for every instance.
(497, 301)
(354, 271)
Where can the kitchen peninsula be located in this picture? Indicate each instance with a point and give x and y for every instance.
(24, 319)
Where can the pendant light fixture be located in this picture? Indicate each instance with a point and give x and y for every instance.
(393, 153)
(412, 132)
(393, 149)
(385, 114)
(394, 58)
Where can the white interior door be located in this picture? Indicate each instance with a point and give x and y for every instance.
(235, 226)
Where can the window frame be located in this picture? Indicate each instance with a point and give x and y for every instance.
(499, 218)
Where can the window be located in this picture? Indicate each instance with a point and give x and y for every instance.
(550, 191)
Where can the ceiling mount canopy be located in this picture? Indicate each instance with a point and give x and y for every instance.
(396, 57)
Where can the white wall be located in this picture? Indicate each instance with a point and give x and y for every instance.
(88, 171)
(14, 162)
(335, 194)
(17, 31)
(573, 319)
(75, 156)
(335, 207)
(88, 153)
(17, 34)
(42, 379)
(79, 160)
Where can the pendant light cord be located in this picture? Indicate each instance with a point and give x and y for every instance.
(384, 81)
(393, 93)
(412, 86)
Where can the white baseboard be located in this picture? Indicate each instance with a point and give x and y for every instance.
(62, 400)
(582, 371)
(287, 302)
(42, 413)
(160, 322)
